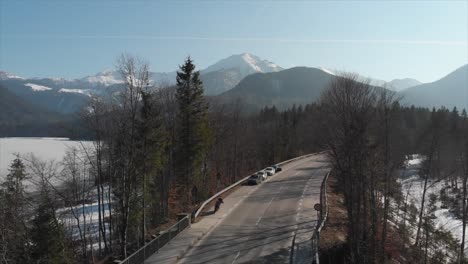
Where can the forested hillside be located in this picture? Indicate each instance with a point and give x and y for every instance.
(21, 118)
(299, 86)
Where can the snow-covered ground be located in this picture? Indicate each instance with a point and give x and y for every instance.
(37, 87)
(413, 186)
(86, 217)
(87, 92)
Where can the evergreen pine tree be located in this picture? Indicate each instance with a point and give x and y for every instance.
(47, 234)
(13, 211)
(194, 135)
(153, 140)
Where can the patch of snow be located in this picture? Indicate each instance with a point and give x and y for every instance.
(413, 161)
(105, 78)
(251, 61)
(327, 71)
(6, 75)
(413, 186)
(86, 92)
(87, 214)
(38, 88)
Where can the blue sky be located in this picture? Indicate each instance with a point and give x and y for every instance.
(383, 39)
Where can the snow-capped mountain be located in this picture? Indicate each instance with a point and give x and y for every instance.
(105, 78)
(217, 78)
(227, 73)
(246, 63)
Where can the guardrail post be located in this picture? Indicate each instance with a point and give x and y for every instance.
(157, 244)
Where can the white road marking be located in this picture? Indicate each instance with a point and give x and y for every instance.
(195, 247)
(299, 207)
(238, 253)
(276, 194)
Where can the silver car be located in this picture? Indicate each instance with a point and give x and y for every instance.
(262, 174)
(270, 171)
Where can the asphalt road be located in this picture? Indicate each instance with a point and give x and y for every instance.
(262, 227)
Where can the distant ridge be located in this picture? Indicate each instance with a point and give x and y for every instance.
(449, 91)
(298, 85)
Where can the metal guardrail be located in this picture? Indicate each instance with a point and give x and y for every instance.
(154, 245)
(322, 218)
(200, 209)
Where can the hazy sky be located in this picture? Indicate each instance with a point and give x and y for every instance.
(383, 39)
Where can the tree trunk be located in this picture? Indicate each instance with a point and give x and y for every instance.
(462, 245)
(421, 211)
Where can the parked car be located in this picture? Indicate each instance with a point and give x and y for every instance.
(277, 168)
(262, 174)
(254, 179)
(270, 171)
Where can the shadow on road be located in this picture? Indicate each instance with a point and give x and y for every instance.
(249, 238)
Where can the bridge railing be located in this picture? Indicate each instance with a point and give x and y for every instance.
(155, 244)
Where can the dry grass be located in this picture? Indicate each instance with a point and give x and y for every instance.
(334, 234)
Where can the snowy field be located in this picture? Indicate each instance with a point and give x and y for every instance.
(45, 149)
(413, 186)
(85, 218)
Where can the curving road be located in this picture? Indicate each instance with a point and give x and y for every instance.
(261, 227)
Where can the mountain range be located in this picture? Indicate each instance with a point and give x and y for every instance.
(256, 81)
(301, 85)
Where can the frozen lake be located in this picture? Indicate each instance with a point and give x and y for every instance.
(42, 148)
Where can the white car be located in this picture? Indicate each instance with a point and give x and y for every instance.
(270, 171)
(262, 174)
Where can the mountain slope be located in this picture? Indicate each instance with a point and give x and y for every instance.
(450, 91)
(402, 84)
(20, 118)
(217, 82)
(299, 85)
(394, 85)
(47, 94)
